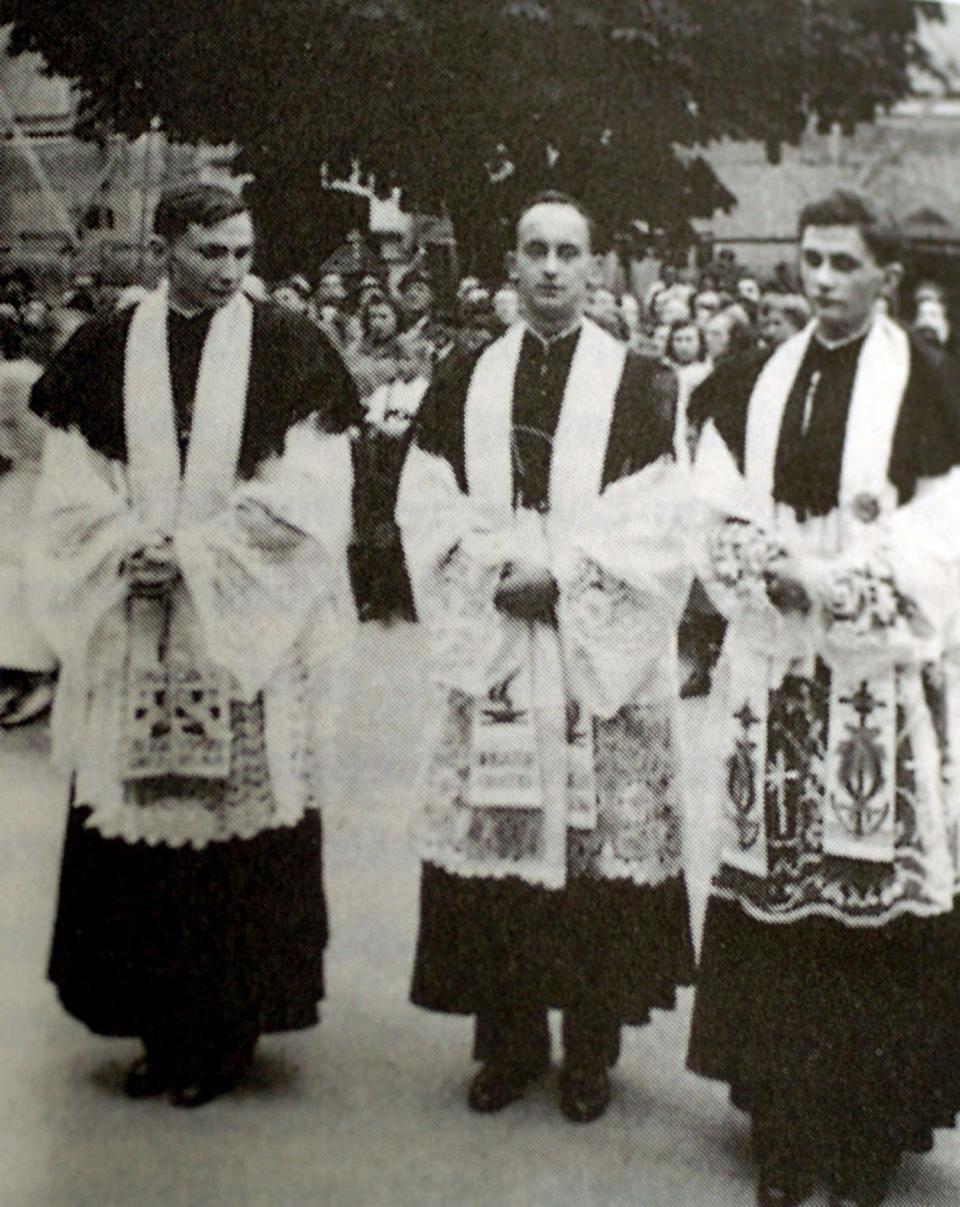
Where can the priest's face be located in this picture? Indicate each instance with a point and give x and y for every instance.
(206, 265)
(841, 278)
(553, 264)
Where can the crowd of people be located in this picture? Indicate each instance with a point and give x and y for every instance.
(556, 481)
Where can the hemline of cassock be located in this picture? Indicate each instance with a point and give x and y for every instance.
(841, 1043)
(596, 942)
(227, 939)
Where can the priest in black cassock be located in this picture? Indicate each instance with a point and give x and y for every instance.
(188, 566)
(541, 517)
(827, 996)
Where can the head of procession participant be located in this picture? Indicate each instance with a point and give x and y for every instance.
(205, 237)
(553, 262)
(782, 315)
(848, 252)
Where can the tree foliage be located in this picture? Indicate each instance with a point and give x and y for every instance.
(470, 104)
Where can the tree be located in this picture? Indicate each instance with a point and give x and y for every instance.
(472, 105)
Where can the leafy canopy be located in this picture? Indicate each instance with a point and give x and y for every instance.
(472, 105)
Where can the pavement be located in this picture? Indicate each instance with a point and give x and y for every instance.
(368, 1110)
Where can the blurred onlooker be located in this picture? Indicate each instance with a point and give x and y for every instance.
(370, 286)
(478, 323)
(670, 308)
(85, 293)
(466, 286)
(659, 338)
(706, 304)
(669, 288)
(27, 665)
(686, 352)
(372, 358)
(415, 291)
(748, 290)
(289, 298)
(331, 291)
(393, 406)
(931, 321)
(605, 312)
(630, 313)
(728, 334)
(782, 315)
(506, 305)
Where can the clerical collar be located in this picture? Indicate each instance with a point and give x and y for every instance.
(832, 345)
(550, 341)
(192, 316)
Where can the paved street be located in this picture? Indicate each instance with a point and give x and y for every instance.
(367, 1110)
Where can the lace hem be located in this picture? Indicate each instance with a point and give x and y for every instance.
(824, 909)
(130, 826)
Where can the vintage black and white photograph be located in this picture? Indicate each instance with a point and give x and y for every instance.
(479, 603)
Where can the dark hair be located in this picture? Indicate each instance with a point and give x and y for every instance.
(679, 325)
(556, 197)
(376, 299)
(793, 306)
(850, 207)
(183, 205)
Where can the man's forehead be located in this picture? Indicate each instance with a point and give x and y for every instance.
(847, 239)
(235, 231)
(554, 221)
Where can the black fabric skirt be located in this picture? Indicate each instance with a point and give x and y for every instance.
(607, 944)
(842, 1043)
(225, 939)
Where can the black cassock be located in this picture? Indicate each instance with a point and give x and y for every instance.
(225, 940)
(504, 950)
(841, 1042)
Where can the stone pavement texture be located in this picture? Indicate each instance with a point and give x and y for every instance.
(369, 1109)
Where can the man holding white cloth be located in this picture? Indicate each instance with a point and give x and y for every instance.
(188, 567)
(542, 524)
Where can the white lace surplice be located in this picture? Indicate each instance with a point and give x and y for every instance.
(274, 614)
(621, 570)
(795, 663)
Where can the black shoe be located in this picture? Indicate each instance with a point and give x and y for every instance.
(201, 1091)
(769, 1195)
(584, 1095)
(148, 1077)
(871, 1196)
(215, 1078)
(496, 1086)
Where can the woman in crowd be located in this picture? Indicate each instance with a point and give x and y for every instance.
(372, 359)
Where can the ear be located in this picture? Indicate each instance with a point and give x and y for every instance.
(159, 248)
(892, 274)
(510, 264)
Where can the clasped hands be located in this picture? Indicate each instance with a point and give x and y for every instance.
(150, 566)
(785, 589)
(527, 592)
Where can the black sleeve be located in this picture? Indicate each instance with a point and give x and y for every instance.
(439, 426)
(82, 387)
(323, 383)
(724, 397)
(927, 440)
(644, 417)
